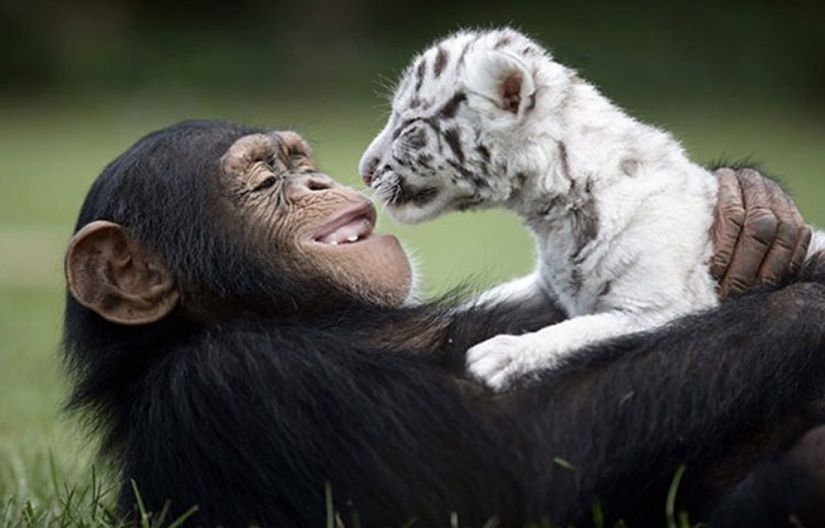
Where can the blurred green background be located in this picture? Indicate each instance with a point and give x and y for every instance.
(80, 81)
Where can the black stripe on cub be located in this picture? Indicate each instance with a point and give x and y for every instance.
(425, 160)
(400, 128)
(503, 41)
(484, 152)
(450, 108)
(466, 173)
(419, 75)
(440, 62)
(453, 138)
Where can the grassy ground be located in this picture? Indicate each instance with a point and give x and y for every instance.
(51, 150)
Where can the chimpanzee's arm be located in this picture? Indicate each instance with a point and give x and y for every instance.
(440, 332)
(250, 422)
(705, 391)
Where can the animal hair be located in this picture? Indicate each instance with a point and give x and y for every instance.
(621, 217)
(248, 417)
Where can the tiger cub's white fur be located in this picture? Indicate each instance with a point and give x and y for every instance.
(620, 215)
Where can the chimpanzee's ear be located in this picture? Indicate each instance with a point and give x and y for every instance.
(110, 273)
(502, 78)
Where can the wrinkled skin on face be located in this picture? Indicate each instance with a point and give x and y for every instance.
(215, 220)
(321, 228)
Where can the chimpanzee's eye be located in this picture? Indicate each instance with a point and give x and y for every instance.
(268, 182)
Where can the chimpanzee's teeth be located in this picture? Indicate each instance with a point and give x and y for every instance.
(349, 233)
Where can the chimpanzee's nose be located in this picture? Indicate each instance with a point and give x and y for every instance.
(319, 182)
(309, 183)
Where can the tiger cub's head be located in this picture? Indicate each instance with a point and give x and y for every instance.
(464, 123)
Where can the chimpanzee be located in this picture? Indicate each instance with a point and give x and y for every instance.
(245, 343)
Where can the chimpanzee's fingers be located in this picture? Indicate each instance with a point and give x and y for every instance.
(777, 263)
(804, 234)
(729, 217)
(791, 233)
(756, 239)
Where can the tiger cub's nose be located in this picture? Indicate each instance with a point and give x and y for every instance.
(368, 170)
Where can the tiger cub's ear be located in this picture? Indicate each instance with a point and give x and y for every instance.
(503, 80)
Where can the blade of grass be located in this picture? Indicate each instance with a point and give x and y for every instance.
(182, 519)
(670, 505)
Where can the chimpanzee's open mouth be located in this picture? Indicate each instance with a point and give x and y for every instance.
(352, 226)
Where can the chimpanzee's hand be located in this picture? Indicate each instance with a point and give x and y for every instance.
(759, 235)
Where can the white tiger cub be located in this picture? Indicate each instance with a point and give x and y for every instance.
(620, 215)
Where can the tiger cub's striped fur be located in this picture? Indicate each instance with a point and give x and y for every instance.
(620, 215)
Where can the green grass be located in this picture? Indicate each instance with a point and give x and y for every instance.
(50, 151)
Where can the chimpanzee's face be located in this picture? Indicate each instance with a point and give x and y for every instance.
(310, 223)
(259, 227)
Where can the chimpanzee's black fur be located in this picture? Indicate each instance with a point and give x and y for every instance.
(248, 418)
